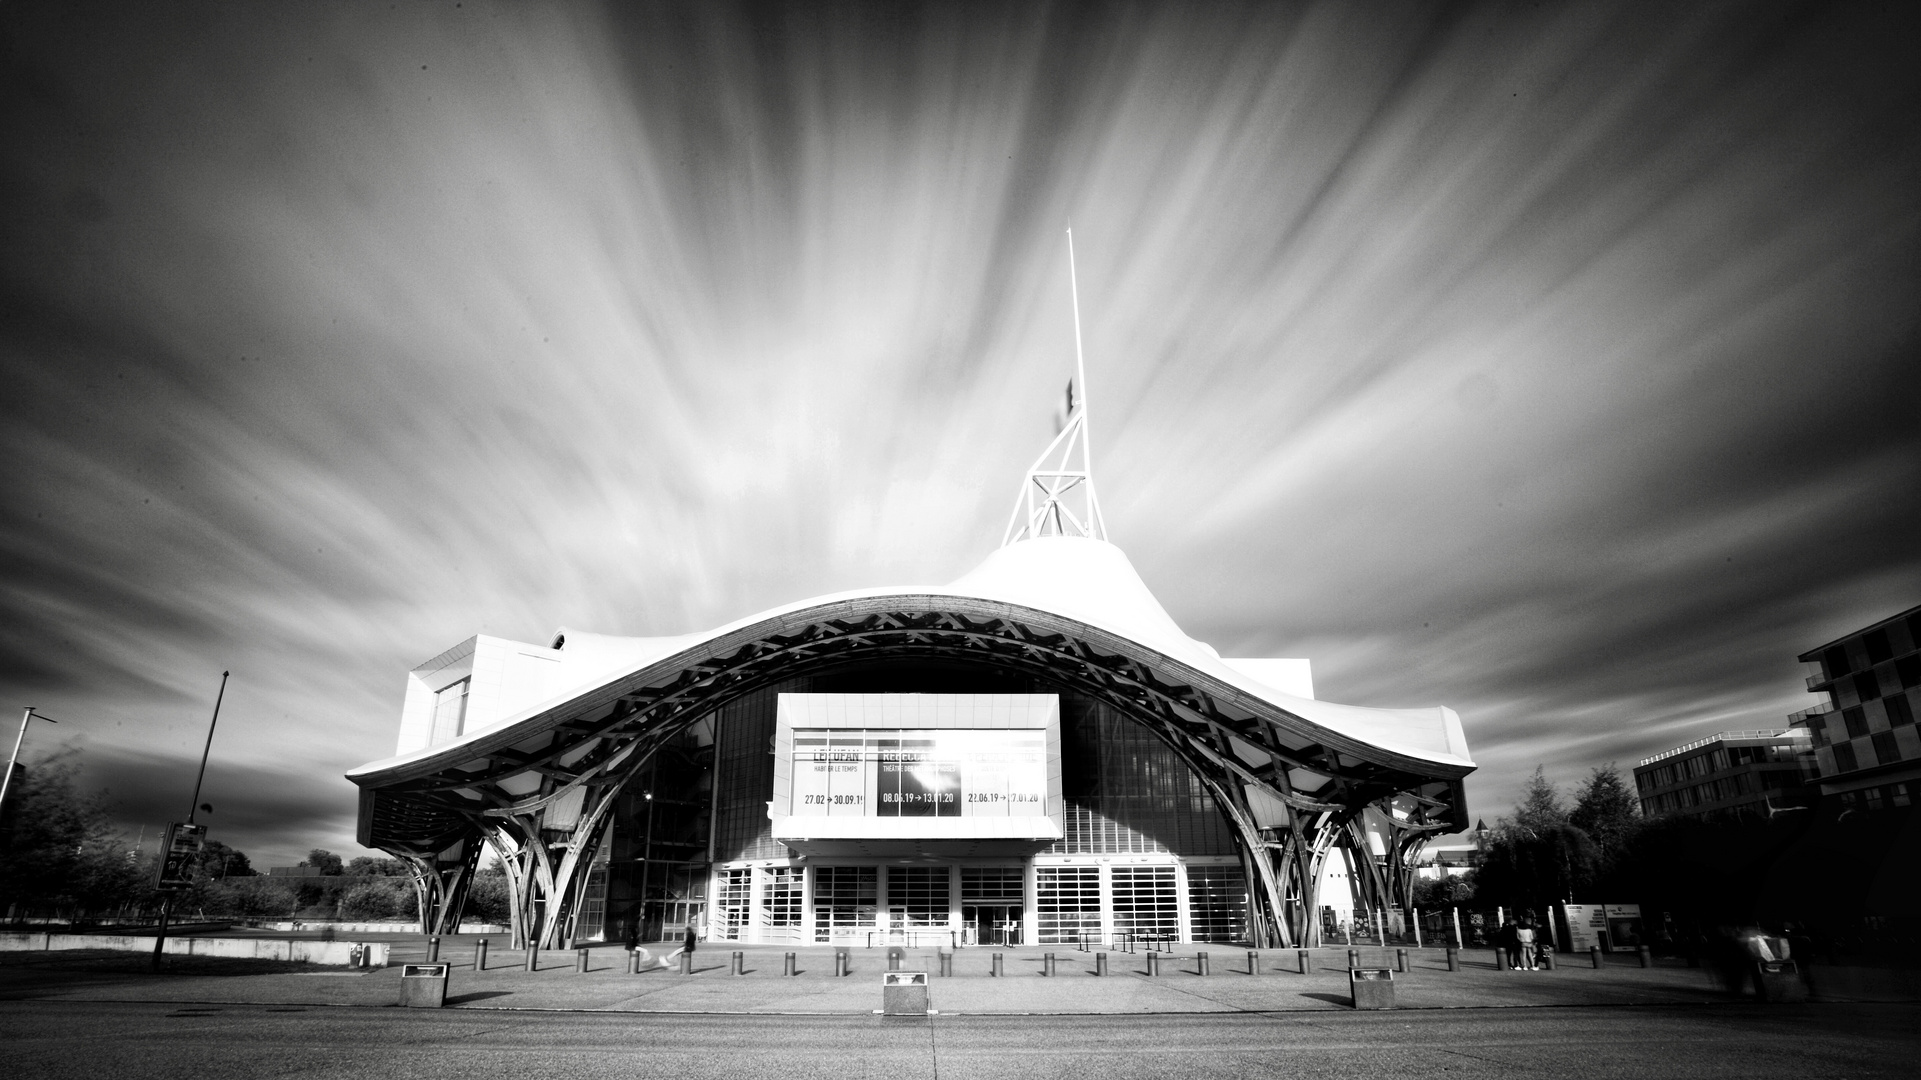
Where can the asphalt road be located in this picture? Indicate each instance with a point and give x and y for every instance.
(105, 1041)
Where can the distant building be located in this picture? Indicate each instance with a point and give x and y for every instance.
(1729, 774)
(1866, 750)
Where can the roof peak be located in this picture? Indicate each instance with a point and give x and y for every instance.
(1057, 495)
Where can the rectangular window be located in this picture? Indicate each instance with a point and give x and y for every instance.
(1879, 647)
(592, 924)
(845, 899)
(993, 885)
(1844, 758)
(1899, 794)
(1914, 630)
(1899, 710)
(1067, 903)
(921, 892)
(1908, 668)
(1217, 904)
(1144, 902)
(1885, 752)
(1835, 661)
(736, 898)
(1718, 760)
(783, 895)
(1857, 721)
(1873, 798)
(450, 711)
(1866, 686)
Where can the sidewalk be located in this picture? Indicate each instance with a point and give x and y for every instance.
(1075, 989)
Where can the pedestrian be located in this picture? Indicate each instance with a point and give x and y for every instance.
(686, 946)
(1524, 943)
(1508, 940)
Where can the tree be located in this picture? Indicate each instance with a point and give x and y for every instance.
(58, 848)
(219, 862)
(1446, 891)
(1540, 806)
(1605, 810)
(1536, 858)
(323, 860)
(368, 866)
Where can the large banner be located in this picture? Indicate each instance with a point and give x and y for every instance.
(973, 773)
(179, 852)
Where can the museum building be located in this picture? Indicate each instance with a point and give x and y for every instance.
(1035, 753)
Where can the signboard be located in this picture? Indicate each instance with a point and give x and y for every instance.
(1613, 927)
(1585, 925)
(919, 772)
(179, 855)
(1624, 927)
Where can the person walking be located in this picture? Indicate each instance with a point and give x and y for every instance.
(1508, 940)
(1524, 940)
(686, 946)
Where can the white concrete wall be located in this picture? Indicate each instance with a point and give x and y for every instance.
(331, 953)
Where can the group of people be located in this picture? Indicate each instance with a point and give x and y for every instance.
(1522, 943)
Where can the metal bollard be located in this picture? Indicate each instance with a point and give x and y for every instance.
(1647, 956)
(1453, 958)
(1547, 961)
(1153, 963)
(433, 950)
(633, 961)
(1306, 959)
(1594, 955)
(533, 958)
(1353, 959)
(840, 964)
(1200, 963)
(789, 966)
(1400, 961)
(1100, 963)
(1047, 964)
(947, 965)
(1500, 958)
(580, 961)
(480, 955)
(995, 968)
(1253, 962)
(739, 966)
(686, 963)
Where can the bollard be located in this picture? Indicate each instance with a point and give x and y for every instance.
(686, 963)
(1353, 959)
(433, 950)
(580, 961)
(480, 955)
(1153, 963)
(1647, 956)
(633, 961)
(533, 958)
(995, 967)
(1453, 958)
(1047, 964)
(1100, 963)
(1547, 961)
(788, 967)
(946, 965)
(1400, 961)
(840, 964)
(1253, 962)
(1500, 958)
(739, 965)
(1200, 963)
(1594, 955)
(1306, 959)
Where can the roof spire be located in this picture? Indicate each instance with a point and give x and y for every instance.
(1057, 497)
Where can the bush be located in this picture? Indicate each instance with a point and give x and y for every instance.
(249, 897)
(487, 899)
(387, 898)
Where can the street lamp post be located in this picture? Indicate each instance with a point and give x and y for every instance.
(7, 781)
(166, 901)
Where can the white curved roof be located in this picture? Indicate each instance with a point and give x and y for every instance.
(1086, 580)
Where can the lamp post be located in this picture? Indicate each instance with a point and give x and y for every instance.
(7, 781)
(166, 901)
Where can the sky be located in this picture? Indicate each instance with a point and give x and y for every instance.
(1555, 363)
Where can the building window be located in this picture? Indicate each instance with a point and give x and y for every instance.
(1885, 752)
(1908, 668)
(783, 895)
(1873, 798)
(1866, 686)
(1067, 903)
(1844, 758)
(1144, 902)
(736, 900)
(1849, 801)
(592, 923)
(993, 885)
(1217, 903)
(842, 894)
(1856, 720)
(450, 711)
(1835, 660)
(1879, 647)
(920, 894)
(1899, 710)
(1818, 731)
(1899, 794)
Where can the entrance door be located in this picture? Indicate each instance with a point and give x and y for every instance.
(993, 924)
